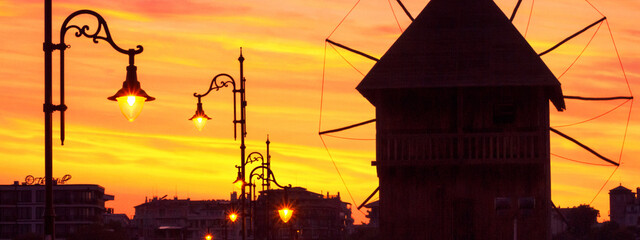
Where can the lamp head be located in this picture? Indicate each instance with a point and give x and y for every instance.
(131, 97)
(199, 118)
(285, 214)
(239, 182)
(233, 216)
(208, 237)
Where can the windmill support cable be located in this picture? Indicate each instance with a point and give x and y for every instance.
(624, 73)
(515, 10)
(584, 146)
(526, 30)
(350, 138)
(324, 66)
(369, 198)
(347, 127)
(594, 7)
(572, 36)
(394, 16)
(597, 98)
(407, 11)
(344, 18)
(345, 59)
(352, 50)
(624, 140)
(596, 117)
(339, 174)
(560, 214)
(573, 160)
(581, 52)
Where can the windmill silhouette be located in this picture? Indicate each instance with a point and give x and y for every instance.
(461, 99)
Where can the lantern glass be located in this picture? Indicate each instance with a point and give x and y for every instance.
(285, 214)
(131, 106)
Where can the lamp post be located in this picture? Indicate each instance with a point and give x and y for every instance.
(200, 119)
(130, 98)
(284, 211)
(267, 176)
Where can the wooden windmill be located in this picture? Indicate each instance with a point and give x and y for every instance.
(462, 127)
(462, 144)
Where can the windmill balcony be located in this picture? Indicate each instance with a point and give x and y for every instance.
(468, 148)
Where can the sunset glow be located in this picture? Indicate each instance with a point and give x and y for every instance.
(296, 86)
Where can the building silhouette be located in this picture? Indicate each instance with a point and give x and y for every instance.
(624, 206)
(373, 213)
(76, 206)
(462, 121)
(577, 221)
(315, 216)
(184, 219)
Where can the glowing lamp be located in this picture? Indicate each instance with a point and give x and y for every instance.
(285, 214)
(131, 97)
(208, 237)
(233, 217)
(239, 182)
(199, 118)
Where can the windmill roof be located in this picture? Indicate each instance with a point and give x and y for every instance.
(461, 43)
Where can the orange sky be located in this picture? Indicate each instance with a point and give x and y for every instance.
(186, 43)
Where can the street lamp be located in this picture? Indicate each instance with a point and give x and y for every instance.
(232, 217)
(267, 176)
(130, 98)
(239, 182)
(285, 214)
(200, 119)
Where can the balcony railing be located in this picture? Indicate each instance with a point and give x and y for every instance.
(416, 149)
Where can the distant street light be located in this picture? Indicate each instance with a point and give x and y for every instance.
(200, 119)
(239, 182)
(233, 217)
(208, 237)
(286, 213)
(130, 98)
(267, 176)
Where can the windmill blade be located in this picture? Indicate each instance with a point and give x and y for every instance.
(352, 50)
(583, 146)
(369, 198)
(407, 11)
(515, 10)
(572, 36)
(597, 98)
(347, 127)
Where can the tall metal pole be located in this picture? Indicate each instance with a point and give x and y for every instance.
(243, 133)
(266, 199)
(49, 215)
(131, 85)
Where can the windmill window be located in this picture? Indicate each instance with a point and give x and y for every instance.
(504, 114)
